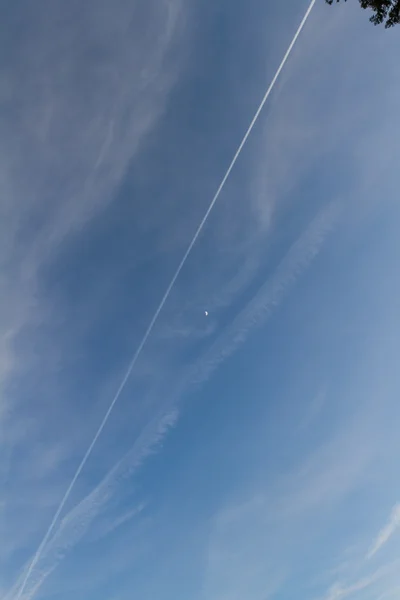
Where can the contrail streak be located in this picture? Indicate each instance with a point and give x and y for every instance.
(131, 366)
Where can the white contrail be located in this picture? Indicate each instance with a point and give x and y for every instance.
(161, 305)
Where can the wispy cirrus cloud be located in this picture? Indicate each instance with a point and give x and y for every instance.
(80, 92)
(288, 153)
(75, 112)
(344, 591)
(73, 526)
(386, 532)
(42, 546)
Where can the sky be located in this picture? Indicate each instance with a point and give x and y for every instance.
(251, 452)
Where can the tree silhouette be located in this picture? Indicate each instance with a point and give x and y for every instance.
(385, 11)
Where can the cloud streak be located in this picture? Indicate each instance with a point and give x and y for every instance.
(80, 90)
(339, 591)
(75, 524)
(75, 113)
(386, 532)
(103, 423)
(271, 293)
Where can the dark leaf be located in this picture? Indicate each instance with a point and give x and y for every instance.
(384, 11)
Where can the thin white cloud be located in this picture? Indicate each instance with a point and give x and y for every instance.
(76, 110)
(242, 558)
(392, 593)
(76, 522)
(386, 532)
(272, 292)
(110, 525)
(74, 525)
(149, 329)
(199, 373)
(339, 591)
(87, 96)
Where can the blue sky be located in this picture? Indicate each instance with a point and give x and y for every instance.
(253, 453)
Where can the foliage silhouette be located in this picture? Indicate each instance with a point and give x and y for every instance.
(384, 11)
